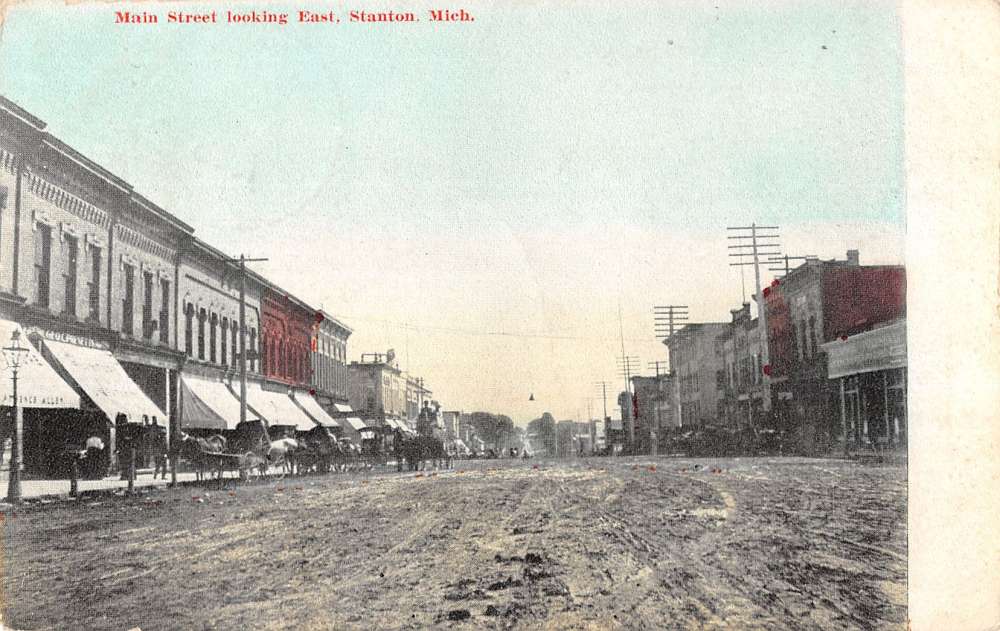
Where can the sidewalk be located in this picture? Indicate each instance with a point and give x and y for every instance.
(41, 489)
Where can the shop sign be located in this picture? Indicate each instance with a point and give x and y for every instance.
(871, 351)
(68, 338)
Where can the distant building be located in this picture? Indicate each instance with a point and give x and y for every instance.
(329, 359)
(652, 411)
(741, 376)
(695, 361)
(377, 389)
(416, 394)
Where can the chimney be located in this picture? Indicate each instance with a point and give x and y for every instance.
(853, 258)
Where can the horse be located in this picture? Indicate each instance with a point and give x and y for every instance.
(199, 452)
(282, 451)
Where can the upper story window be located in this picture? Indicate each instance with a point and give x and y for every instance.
(94, 286)
(232, 334)
(812, 335)
(128, 300)
(189, 330)
(71, 249)
(165, 311)
(147, 306)
(43, 262)
(213, 325)
(223, 339)
(202, 316)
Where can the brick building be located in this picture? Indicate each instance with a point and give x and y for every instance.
(818, 302)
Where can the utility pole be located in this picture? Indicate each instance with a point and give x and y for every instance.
(750, 247)
(627, 366)
(668, 318)
(243, 260)
(656, 366)
(604, 395)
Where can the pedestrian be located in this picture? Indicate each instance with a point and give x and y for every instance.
(158, 447)
(93, 458)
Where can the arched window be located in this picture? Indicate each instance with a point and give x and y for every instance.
(235, 344)
(213, 324)
(189, 329)
(224, 342)
(202, 316)
(281, 358)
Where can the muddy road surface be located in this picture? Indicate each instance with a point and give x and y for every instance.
(579, 544)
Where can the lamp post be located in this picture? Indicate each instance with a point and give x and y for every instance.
(12, 356)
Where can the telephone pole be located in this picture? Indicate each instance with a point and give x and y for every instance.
(604, 395)
(668, 318)
(752, 243)
(243, 260)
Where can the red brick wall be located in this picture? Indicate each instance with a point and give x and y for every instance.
(856, 298)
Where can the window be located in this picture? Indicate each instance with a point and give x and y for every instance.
(147, 305)
(165, 311)
(69, 276)
(812, 335)
(128, 304)
(805, 344)
(189, 330)
(202, 316)
(232, 334)
(223, 355)
(43, 262)
(94, 287)
(213, 325)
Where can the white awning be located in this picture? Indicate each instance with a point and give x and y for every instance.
(313, 409)
(342, 407)
(99, 374)
(208, 404)
(38, 384)
(355, 423)
(277, 408)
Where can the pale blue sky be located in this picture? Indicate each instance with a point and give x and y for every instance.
(526, 171)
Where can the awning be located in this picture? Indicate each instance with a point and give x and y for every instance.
(38, 384)
(99, 374)
(313, 409)
(355, 423)
(208, 404)
(277, 408)
(342, 407)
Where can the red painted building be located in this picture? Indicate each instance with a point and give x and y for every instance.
(818, 302)
(286, 324)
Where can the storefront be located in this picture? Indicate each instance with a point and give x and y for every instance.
(870, 368)
(108, 398)
(44, 400)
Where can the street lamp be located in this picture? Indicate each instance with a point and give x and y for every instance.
(12, 357)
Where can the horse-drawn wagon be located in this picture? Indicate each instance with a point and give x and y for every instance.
(243, 449)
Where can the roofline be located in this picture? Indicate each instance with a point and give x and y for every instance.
(19, 112)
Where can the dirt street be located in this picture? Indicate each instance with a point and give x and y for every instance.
(583, 544)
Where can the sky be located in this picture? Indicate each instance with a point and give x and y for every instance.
(487, 197)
